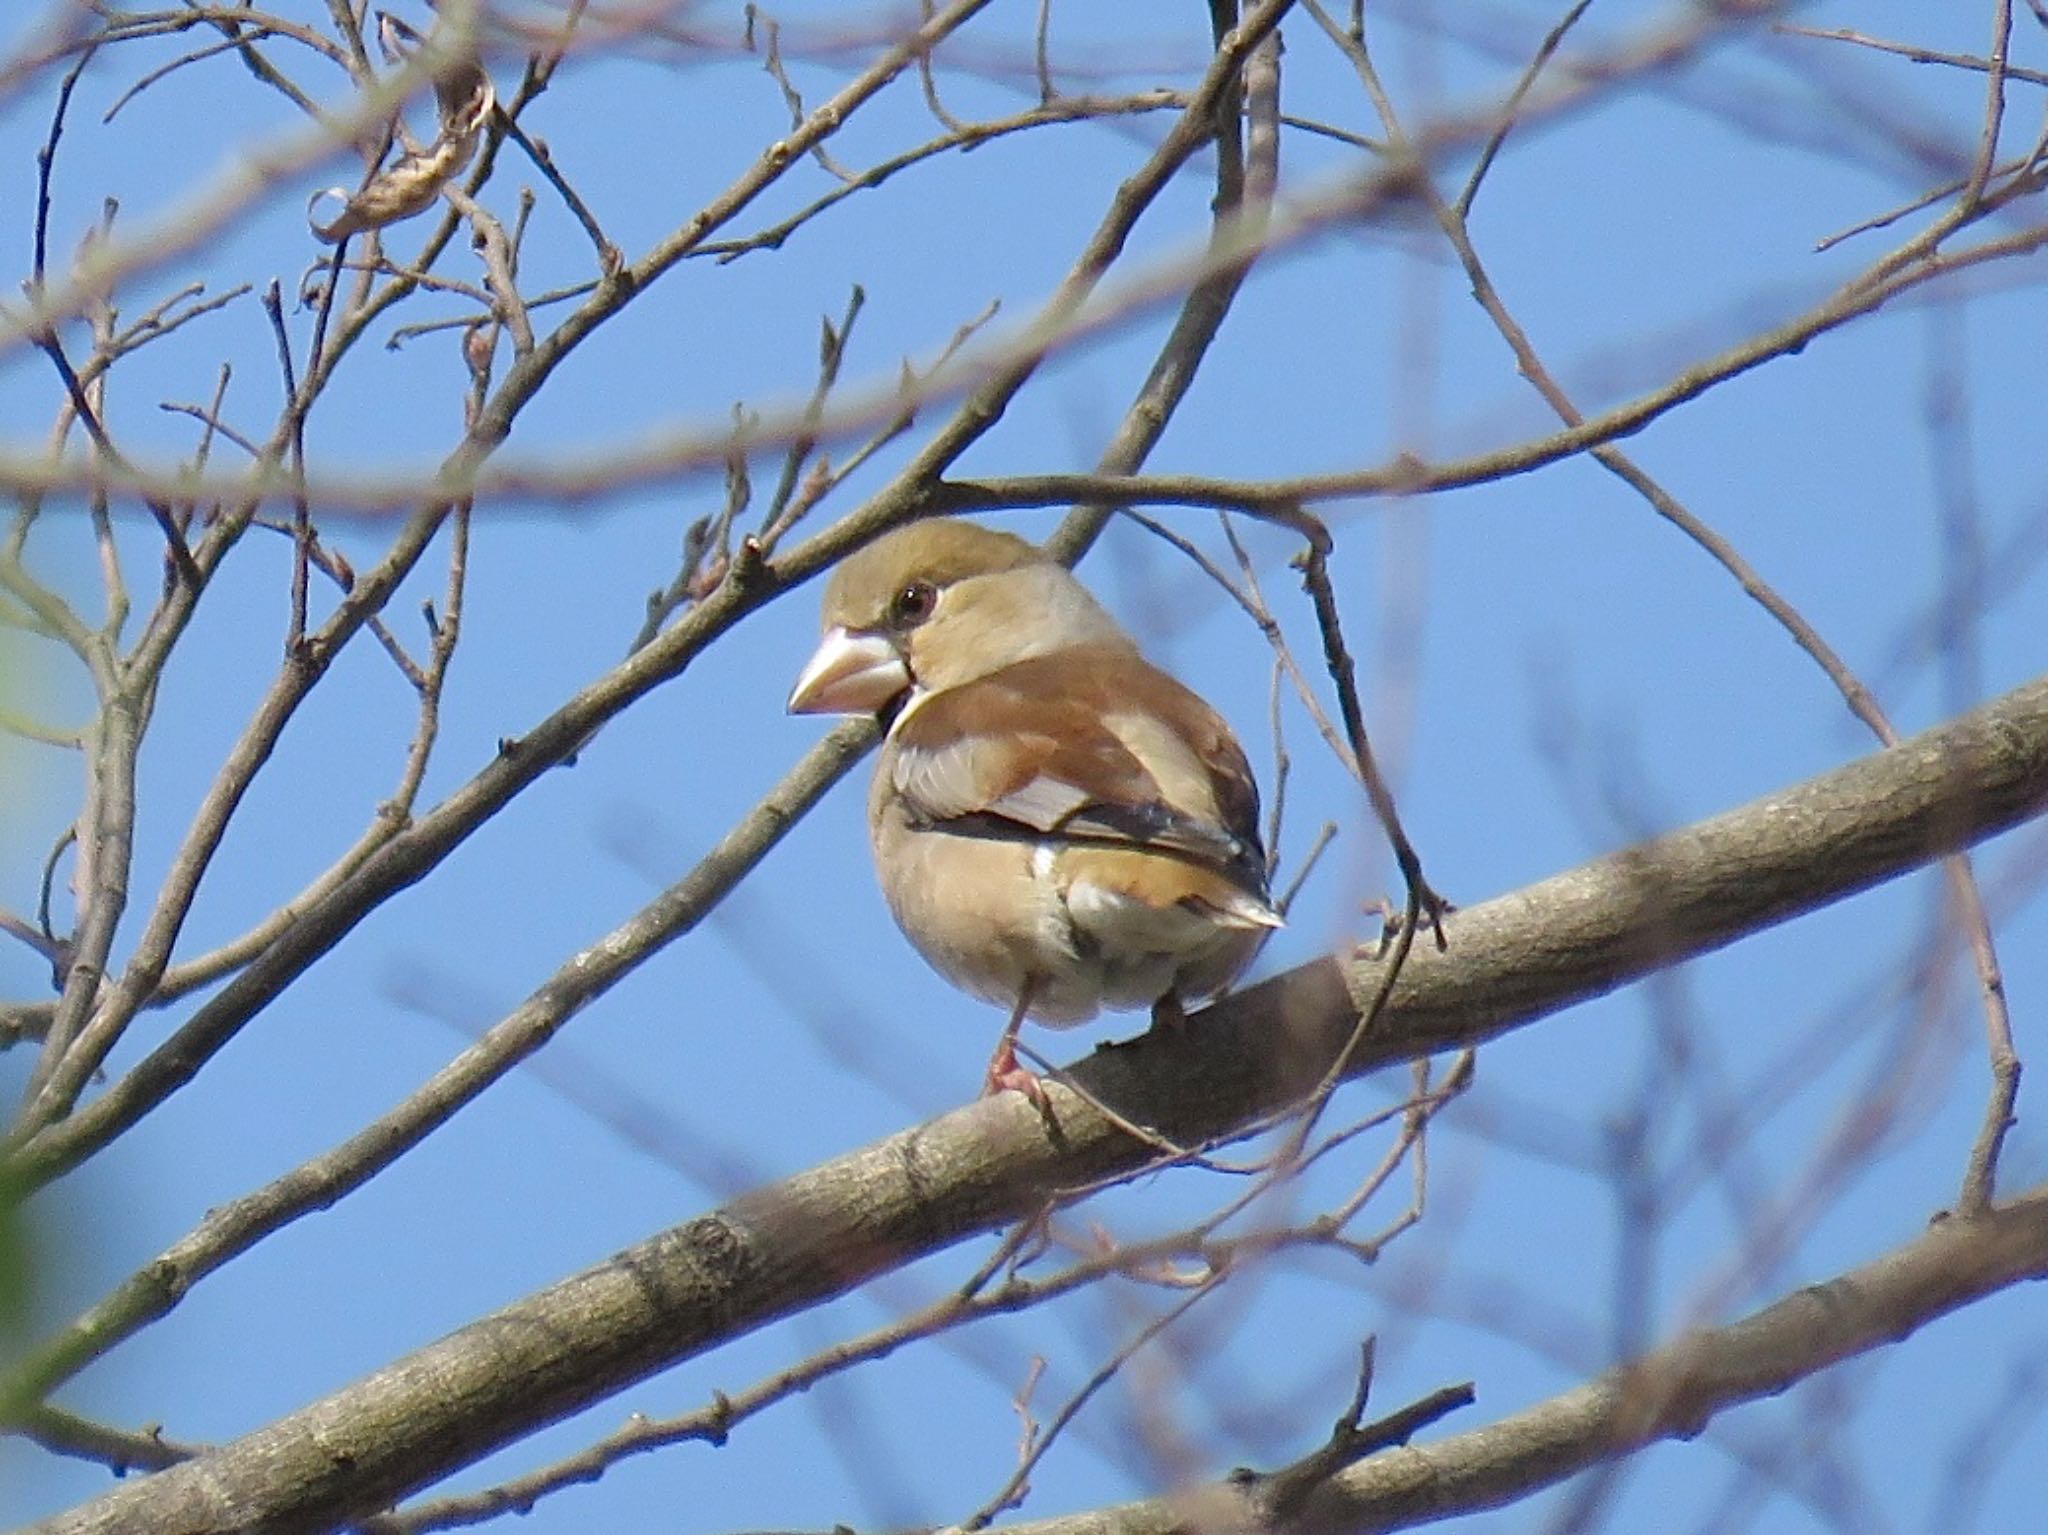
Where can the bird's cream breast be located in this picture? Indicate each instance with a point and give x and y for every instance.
(984, 912)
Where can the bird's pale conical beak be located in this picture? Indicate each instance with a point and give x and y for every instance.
(849, 674)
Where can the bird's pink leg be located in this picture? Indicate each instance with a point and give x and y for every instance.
(1004, 1070)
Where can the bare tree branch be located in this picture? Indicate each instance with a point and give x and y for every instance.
(1669, 1394)
(1510, 962)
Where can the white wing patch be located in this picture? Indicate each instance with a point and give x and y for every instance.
(1044, 804)
(943, 784)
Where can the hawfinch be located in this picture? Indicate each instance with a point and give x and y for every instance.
(1058, 825)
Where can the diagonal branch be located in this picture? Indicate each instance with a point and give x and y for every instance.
(798, 1243)
(1668, 1394)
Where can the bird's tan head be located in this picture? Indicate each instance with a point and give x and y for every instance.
(937, 604)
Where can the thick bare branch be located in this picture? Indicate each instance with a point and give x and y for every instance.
(1510, 962)
(1669, 1394)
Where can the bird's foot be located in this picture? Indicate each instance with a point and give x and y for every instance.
(1394, 922)
(1169, 1015)
(1007, 1074)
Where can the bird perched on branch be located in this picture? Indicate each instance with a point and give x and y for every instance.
(1058, 825)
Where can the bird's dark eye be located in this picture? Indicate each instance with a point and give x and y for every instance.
(913, 605)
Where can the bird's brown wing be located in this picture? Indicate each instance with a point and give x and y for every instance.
(1093, 745)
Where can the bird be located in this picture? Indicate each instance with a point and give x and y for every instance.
(1058, 825)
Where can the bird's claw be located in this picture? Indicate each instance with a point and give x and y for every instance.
(1007, 1074)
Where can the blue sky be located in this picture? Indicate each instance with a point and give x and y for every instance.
(1553, 671)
